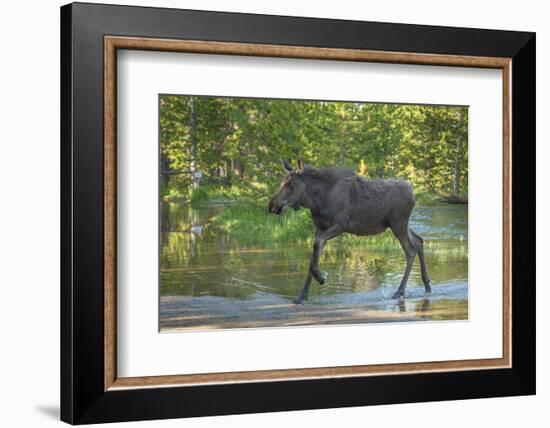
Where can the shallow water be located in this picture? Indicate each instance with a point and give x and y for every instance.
(206, 270)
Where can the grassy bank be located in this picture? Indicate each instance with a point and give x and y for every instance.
(238, 190)
(244, 217)
(248, 222)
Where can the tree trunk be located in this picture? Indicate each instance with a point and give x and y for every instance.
(194, 179)
(165, 169)
(237, 167)
(458, 167)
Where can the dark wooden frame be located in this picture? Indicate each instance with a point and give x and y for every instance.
(90, 35)
(114, 43)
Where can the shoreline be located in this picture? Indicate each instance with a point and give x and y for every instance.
(264, 310)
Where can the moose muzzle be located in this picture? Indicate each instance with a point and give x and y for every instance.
(274, 207)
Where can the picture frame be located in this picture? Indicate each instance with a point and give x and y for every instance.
(91, 391)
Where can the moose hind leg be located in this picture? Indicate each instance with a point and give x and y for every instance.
(410, 252)
(419, 245)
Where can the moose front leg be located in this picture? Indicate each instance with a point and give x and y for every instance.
(320, 239)
(321, 236)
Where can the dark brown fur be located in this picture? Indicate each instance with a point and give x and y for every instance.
(341, 201)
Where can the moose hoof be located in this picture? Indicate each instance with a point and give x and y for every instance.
(299, 300)
(428, 287)
(399, 295)
(320, 277)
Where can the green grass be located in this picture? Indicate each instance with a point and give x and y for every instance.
(238, 191)
(249, 223)
(245, 217)
(198, 195)
(426, 198)
(431, 198)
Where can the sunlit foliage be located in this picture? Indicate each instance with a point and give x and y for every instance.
(238, 142)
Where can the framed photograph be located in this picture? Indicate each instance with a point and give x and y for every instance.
(266, 213)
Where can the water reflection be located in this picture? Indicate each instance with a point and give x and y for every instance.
(422, 305)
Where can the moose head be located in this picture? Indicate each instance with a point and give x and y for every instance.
(290, 191)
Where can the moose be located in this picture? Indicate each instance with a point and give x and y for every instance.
(340, 201)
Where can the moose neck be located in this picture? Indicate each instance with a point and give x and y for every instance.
(314, 196)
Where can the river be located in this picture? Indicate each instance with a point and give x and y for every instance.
(210, 280)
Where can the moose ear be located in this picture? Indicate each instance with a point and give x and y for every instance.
(286, 166)
(304, 168)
